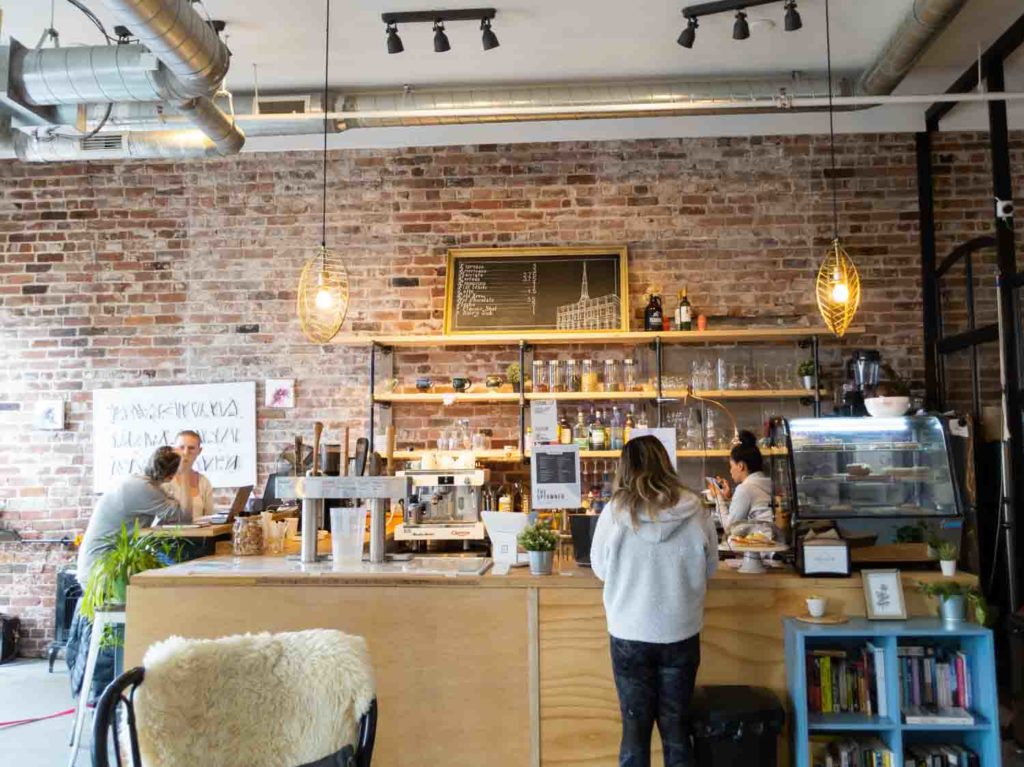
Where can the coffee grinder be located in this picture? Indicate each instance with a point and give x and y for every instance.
(862, 375)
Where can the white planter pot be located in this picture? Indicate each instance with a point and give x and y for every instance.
(948, 567)
(954, 609)
(541, 562)
(808, 382)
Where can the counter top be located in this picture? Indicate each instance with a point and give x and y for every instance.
(281, 571)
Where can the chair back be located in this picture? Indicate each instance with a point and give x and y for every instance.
(300, 699)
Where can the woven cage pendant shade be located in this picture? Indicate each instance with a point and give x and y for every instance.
(323, 296)
(838, 289)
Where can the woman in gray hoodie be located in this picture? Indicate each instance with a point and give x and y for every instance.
(655, 548)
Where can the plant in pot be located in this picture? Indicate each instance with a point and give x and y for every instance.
(514, 375)
(539, 541)
(948, 553)
(953, 599)
(128, 552)
(806, 370)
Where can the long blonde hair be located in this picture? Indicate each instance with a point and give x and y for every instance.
(645, 480)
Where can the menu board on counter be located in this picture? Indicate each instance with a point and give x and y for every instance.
(555, 477)
(495, 290)
(130, 423)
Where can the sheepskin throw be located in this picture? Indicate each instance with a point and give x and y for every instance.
(258, 700)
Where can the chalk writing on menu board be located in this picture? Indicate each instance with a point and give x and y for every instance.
(129, 424)
(535, 292)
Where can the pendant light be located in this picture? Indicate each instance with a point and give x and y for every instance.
(323, 284)
(838, 284)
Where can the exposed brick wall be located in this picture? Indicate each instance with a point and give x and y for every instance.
(118, 274)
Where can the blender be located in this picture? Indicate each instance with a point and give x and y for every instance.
(862, 375)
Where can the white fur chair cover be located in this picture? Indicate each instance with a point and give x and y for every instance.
(256, 700)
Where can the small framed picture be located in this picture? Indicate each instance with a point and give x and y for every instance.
(280, 392)
(883, 595)
(48, 414)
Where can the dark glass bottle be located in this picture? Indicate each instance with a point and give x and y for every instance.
(654, 316)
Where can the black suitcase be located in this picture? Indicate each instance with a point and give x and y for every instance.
(10, 637)
(735, 725)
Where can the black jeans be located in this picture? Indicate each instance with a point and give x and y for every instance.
(655, 684)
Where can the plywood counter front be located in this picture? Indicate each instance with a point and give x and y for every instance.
(498, 670)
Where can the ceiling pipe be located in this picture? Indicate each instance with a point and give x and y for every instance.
(138, 145)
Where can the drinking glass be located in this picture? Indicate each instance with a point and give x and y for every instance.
(734, 378)
(630, 380)
(445, 439)
(612, 379)
(540, 378)
(744, 379)
(721, 374)
(762, 377)
(693, 432)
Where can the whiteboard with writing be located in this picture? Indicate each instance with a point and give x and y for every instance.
(129, 424)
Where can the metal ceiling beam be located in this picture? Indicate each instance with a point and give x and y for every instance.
(1007, 43)
(428, 17)
(723, 6)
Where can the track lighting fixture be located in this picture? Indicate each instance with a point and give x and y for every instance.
(688, 35)
(394, 41)
(441, 43)
(438, 20)
(793, 20)
(740, 29)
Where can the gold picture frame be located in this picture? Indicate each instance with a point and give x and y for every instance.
(883, 595)
(542, 254)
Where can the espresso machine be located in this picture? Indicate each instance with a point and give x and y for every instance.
(862, 371)
(443, 506)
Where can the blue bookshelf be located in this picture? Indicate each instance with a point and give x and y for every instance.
(975, 641)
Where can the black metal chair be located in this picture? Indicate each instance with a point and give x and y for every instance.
(122, 692)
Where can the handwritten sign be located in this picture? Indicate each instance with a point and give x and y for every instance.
(555, 475)
(544, 421)
(129, 424)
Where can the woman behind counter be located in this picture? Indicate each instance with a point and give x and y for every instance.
(655, 548)
(188, 487)
(750, 504)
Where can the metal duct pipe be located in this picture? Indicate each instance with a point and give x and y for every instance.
(180, 38)
(923, 23)
(174, 144)
(225, 135)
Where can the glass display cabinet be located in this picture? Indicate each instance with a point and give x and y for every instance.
(868, 468)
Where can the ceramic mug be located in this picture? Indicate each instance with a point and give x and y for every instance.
(423, 384)
(816, 606)
(493, 382)
(460, 383)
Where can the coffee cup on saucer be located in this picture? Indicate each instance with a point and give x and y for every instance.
(816, 606)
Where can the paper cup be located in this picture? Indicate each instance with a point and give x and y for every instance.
(347, 528)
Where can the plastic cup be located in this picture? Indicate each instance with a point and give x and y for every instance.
(348, 526)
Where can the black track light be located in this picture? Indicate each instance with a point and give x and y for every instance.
(740, 30)
(394, 41)
(490, 40)
(688, 35)
(441, 43)
(793, 20)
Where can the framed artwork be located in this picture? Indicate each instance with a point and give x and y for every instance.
(883, 595)
(512, 290)
(279, 392)
(48, 414)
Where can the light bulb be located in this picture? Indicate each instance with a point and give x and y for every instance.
(840, 293)
(324, 298)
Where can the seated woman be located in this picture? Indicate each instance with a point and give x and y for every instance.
(750, 504)
(140, 498)
(188, 487)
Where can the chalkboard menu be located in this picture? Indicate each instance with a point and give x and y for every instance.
(521, 289)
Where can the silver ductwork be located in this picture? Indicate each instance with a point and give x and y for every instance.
(923, 23)
(225, 135)
(137, 145)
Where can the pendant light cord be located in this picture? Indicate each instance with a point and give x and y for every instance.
(327, 61)
(831, 126)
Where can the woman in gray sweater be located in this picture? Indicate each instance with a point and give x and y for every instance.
(655, 548)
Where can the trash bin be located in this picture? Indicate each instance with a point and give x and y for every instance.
(735, 725)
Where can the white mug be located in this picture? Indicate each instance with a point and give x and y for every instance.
(816, 606)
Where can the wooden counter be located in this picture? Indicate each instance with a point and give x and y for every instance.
(503, 670)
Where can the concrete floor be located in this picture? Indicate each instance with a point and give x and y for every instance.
(27, 690)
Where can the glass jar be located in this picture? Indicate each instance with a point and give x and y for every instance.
(630, 381)
(247, 536)
(589, 380)
(572, 376)
(556, 376)
(540, 376)
(612, 379)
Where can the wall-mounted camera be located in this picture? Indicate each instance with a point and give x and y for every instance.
(1004, 209)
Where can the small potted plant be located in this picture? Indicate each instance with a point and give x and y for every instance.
(539, 541)
(948, 553)
(514, 375)
(129, 552)
(806, 370)
(953, 597)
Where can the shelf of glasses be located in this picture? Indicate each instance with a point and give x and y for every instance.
(596, 396)
(743, 394)
(446, 397)
(486, 456)
(913, 447)
(513, 456)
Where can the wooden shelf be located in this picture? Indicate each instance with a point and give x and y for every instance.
(746, 335)
(586, 396)
(597, 396)
(745, 394)
(487, 456)
(452, 397)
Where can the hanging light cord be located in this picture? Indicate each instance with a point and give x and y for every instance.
(327, 60)
(831, 126)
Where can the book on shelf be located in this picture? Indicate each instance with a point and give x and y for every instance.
(846, 681)
(937, 715)
(939, 755)
(852, 753)
(934, 677)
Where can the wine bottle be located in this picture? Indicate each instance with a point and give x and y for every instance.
(684, 312)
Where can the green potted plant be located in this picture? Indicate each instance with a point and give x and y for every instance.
(948, 553)
(807, 372)
(129, 552)
(953, 597)
(539, 541)
(514, 375)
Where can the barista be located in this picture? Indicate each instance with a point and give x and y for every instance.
(750, 504)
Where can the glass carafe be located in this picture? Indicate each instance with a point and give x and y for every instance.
(540, 376)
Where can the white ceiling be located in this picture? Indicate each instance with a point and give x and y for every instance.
(564, 40)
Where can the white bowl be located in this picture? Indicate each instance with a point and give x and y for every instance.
(887, 407)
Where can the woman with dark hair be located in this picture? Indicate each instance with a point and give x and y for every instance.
(750, 504)
(137, 498)
(655, 548)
